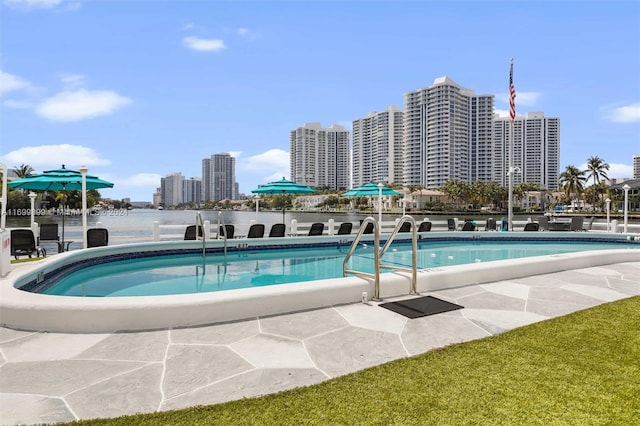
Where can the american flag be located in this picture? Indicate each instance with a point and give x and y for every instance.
(512, 96)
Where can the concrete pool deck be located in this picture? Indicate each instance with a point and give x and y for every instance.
(58, 377)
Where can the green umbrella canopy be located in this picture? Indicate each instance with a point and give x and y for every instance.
(284, 187)
(61, 179)
(370, 189)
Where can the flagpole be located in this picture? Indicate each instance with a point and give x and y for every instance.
(512, 117)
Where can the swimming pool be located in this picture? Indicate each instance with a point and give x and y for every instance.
(27, 310)
(191, 273)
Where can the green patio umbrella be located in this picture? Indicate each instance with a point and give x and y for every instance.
(284, 187)
(62, 179)
(369, 190)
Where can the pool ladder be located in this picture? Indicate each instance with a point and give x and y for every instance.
(379, 253)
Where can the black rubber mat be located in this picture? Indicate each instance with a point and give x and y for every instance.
(421, 306)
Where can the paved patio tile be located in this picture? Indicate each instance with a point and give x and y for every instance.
(58, 378)
(604, 294)
(143, 346)
(303, 325)
(352, 349)
(134, 392)
(49, 346)
(189, 367)
(372, 317)
(221, 334)
(33, 409)
(436, 331)
(267, 351)
(247, 385)
(489, 300)
(54, 377)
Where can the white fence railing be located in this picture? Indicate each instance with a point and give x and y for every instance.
(160, 232)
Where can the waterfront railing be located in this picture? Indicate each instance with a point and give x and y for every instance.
(155, 231)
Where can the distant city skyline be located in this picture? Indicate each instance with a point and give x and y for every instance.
(139, 90)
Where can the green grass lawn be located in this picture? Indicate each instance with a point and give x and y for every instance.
(581, 369)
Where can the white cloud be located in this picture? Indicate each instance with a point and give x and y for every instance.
(80, 105)
(73, 80)
(13, 83)
(623, 114)
(620, 171)
(274, 162)
(616, 170)
(34, 4)
(269, 160)
(45, 157)
(525, 99)
(247, 34)
(203, 44)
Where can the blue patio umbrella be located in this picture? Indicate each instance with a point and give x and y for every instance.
(61, 179)
(284, 187)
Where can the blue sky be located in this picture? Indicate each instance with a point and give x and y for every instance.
(136, 90)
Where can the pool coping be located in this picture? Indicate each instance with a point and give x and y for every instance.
(30, 311)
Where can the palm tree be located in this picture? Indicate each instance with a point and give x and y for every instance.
(23, 171)
(597, 169)
(572, 181)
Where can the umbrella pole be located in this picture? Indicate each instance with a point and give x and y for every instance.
(63, 215)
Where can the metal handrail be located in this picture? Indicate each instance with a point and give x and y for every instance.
(376, 253)
(414, 251)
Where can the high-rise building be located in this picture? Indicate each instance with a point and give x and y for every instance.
(319, 157)
(219, 178)
(636, 166)
(447, 134)
(536, 150)
(377, 148)
(171, 189)
(192, 190)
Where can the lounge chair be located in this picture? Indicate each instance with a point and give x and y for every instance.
(190, 232)
(368, 229)
(531, 226)
(405, 227)
(490, 224)
(576, 223)
(345, 228)
(469, 226)
(256, 231)
(424, 227)
(451, 224)
(49, 234)
(23, 243)
(588, 225)
(277, 230)
(316, 229)
(543, 221)
(97, 237)
(226, 231)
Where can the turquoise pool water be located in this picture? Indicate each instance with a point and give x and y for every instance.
(181, 274)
